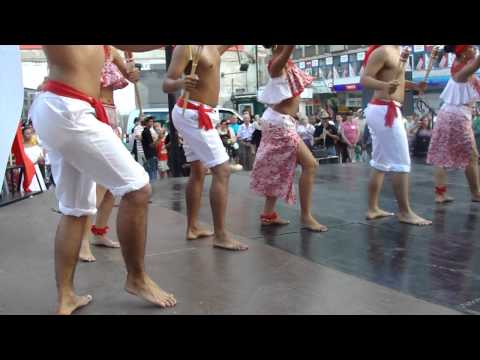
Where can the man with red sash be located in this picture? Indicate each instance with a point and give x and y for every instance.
(201, 142)
(385, 74)
(83, 150)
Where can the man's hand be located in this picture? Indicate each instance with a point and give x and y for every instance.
(190, 82)
(422, 86)
(134, 75)
(392, 86)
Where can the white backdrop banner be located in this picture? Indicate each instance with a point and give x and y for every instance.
(11, 100)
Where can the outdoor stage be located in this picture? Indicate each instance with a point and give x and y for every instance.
(358, 267)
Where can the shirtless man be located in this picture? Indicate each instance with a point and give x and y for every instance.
(385, 74)
(84, 151)
(202, 144)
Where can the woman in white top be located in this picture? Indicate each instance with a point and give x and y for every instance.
(453, 145)
(305, 130)
(36, 156)
(281, 148)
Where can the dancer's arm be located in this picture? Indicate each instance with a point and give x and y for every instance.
(374, 65)
(420, 87)
(222, 48)
(467, 71)
(138, 48)
(280, 60)
(119, 61)
(174, 81)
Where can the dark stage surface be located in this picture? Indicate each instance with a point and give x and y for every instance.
(358, 267)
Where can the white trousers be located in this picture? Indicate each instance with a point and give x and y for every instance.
(83, 151)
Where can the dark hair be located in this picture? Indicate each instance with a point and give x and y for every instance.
(267, 46)
(137, 119)
(223, 121)
(148, 118)
(25, 128)
(449, 48)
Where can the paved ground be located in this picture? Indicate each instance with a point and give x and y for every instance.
(358, 267)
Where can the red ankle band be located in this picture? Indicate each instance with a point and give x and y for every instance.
(440, 190)
(269, 217)
(99, 231)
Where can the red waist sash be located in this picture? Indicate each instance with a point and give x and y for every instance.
(204, 121)
(61, 89)
(391, 110)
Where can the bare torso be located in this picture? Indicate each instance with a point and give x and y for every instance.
(106, 95)
(208, 71)
(392, 71)
(78, 66)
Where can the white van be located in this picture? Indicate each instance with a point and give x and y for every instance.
(161, 115)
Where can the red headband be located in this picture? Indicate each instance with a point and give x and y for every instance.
(369, 52)
(459, 49)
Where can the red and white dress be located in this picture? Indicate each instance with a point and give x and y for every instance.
(276, 158)
(111, 77)
(453, 140)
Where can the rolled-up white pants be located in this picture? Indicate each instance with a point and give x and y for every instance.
(199, 144)
(389, 144)
(83, 151)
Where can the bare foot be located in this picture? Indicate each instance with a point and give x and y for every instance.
(197, 233)
(235, 168)
(105, 242)
(226, 243)
(85, 254)
(413, 219)
(277, 221)
(68, 306)
(146, 289)
(378, 214)
(440, 199)
(313, 225)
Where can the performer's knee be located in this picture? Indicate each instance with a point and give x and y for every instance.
(140, 196)
(222, 171)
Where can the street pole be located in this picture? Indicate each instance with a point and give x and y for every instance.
(256, 63)
(174, 152)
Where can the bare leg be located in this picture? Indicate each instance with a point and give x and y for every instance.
(270, 209)
(132, 233)
(374, 188)
(105, 204)
(309, 167)
(67, 246)
(194, 198)
(440, 181)
(471, 172)
(406, 214)
(218, 202)
(86, 254)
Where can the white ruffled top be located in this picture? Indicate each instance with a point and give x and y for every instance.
(458, 94)
(276, 91)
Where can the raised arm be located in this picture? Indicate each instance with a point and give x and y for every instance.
(222, 48)
(280, 60)
(119, 61)
(174, 81)
(469, 69)
(138, 48)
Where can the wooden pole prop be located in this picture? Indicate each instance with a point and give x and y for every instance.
(130, 68)
(195, 58)
(433, 57)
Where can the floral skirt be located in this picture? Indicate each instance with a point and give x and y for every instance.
(452, 141)
(274, 169)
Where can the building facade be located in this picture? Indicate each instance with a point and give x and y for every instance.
(337, 70)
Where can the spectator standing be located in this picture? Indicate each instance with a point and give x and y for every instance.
(245, 133)
(150, 149)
